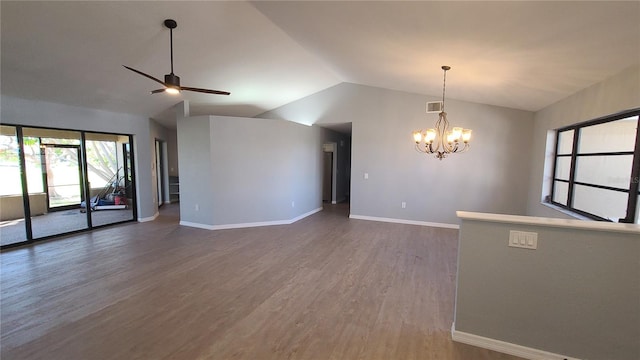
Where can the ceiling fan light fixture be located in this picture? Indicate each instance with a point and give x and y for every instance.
(172, 91)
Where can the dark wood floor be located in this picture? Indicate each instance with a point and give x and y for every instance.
(326, 287)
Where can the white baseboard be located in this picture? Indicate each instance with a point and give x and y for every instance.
(248, 225)
(197, 225)
(504, 347)
(300, 217)
(150, 218)
(402, 221)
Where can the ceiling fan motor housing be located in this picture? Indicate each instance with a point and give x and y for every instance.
(172, 80)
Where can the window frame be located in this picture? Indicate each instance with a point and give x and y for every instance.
(633, 190)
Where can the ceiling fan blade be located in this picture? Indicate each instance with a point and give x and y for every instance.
(206, 91)
(158, 91)
(145, 75)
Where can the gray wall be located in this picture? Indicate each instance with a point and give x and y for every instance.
(491, 177)
(195, 168)
(172, 154)
(246, 170)
(46, 114)
(620, 92)
(576, 295)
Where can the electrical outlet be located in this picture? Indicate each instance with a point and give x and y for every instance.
(197, 207)
(293, 204)
(404, 205)
(366, 175)
(523, 239)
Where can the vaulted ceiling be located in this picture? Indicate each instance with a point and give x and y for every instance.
(524, 55)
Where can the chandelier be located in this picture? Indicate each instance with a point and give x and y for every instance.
(441, 140)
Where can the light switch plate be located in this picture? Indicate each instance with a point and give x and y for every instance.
(523, 239)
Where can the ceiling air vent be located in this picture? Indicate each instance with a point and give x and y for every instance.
(434, 107)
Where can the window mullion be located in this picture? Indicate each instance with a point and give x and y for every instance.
(634, 180)
(572, 168)
(555, 164)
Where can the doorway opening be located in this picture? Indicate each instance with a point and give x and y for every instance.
(327, 174)
(336, 169)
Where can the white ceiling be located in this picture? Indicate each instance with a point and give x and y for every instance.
(524, 55)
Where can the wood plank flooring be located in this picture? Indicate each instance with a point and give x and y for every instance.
(326, 287)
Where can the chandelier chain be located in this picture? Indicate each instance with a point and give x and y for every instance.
(444, 84)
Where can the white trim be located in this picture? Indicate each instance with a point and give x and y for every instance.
(504, 347)
(334, 202)
(551, 222)
(197, 225)
(300, 217)
(150, 218)
(248, 225)
(402, 221)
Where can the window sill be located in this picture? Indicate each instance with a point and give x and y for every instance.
(566, 212)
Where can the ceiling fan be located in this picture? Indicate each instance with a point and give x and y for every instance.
(172, 81)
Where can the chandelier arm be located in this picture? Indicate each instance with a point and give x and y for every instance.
(449, 148)
(445, 120)
(464, 147)
(445, 130)
(441, 128)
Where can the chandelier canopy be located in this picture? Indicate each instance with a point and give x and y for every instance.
(441, 140)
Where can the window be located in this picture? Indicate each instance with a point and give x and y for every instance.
(596, 168)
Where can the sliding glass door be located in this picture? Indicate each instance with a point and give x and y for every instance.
(59, 181)
(12, 220)
(54, 158)
(109, 178)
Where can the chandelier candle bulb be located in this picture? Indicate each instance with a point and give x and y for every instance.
(417, 136)
(447, 140)
(457, 133)
(451, 138)
(431, 135)
(466, 135)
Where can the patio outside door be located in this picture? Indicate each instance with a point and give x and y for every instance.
(63, 176)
